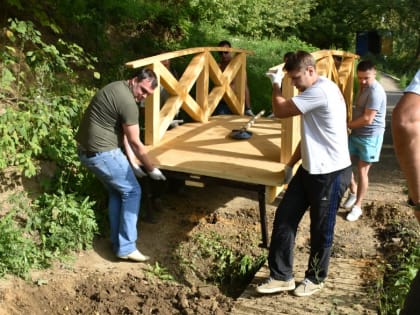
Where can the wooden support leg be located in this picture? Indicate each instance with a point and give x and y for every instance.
(263, 216)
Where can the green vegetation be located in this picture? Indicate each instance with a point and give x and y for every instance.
(232, 270)
(55, 226)
(51, 63)
(402, 266)
(159, 271)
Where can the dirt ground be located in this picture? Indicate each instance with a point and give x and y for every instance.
(98, 283)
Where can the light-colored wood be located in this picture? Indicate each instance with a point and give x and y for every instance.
(202, 70)
(206, 149)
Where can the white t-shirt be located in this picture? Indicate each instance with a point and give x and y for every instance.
(324, 145)
(414, 86)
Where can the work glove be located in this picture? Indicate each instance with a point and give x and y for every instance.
(276, 77)
(288, 174)
(156, 174)
(138, 171)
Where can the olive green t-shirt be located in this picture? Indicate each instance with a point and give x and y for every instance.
(101, 126)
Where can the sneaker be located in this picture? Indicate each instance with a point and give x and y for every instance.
(351, 199)
(307, 287)
(248, 112)
(273, 286)
(135, 256)
(354, 214)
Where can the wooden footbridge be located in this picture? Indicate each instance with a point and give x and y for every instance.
(201, 152)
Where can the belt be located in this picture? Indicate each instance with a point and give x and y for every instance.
(89, 154)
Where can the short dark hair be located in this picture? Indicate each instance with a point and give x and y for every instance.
(287, 55)
(299, 60)
(224, 43)
(365, 65)
(146, 74)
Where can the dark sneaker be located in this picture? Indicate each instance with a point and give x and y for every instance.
(307, 287)
(273, 286)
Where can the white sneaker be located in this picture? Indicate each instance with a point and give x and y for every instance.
(351, 199)
(135, 256)
(354, 214)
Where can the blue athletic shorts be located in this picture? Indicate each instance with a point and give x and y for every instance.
(367, 148)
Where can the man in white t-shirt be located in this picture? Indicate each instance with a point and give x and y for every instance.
(320, 181)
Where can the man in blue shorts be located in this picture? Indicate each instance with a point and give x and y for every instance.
(367, 132)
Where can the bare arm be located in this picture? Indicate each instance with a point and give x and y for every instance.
(364, 120)
(296, 156)
(406, 138)
(131, 133)
(283, 108)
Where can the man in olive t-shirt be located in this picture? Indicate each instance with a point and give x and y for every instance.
(109, 124)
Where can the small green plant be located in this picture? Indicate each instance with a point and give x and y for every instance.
(160, 272)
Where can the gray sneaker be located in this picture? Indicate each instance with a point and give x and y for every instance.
(307, 287)
(273, 286)
(351, 199)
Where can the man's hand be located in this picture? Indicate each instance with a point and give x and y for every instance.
(138, 171)
(276, 77)
(156, 174)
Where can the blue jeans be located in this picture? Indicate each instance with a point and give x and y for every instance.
(114, 171)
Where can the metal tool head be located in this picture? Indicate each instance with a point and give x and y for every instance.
(240, 134)
(243, 133)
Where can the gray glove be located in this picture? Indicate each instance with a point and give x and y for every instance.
(138, 171)
(276, 77)
(288, 174)
(156, 174)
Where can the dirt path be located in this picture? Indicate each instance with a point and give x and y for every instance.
(97, 283)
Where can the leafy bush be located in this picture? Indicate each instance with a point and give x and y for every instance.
(65, 222)
(18, 252)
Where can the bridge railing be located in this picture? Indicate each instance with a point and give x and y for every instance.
(202, 74)
(204, 79)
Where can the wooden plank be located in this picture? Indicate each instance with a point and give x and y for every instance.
(206, 149)
(142, 62)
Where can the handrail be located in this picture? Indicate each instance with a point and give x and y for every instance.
(228, 85)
